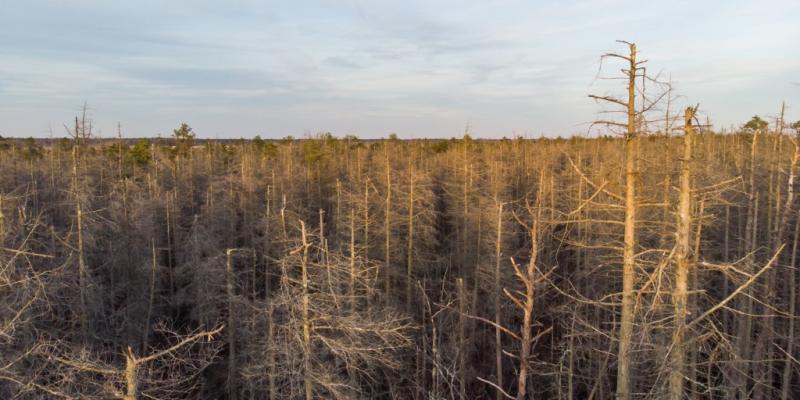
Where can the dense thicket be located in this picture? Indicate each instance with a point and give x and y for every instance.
(339, 268)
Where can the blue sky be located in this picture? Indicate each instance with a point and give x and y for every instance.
(241, 68)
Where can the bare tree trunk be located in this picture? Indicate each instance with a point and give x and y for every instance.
(322, 239)
(410, 247)
(529, 280)
(579, 227)
(132, 363)
(434, 352)
(726, 256)
(683, 262)
(131, 378)
(477, 272)
(338, 217)
(571, 372)
(2, 222)
(366, 220)
(82, 273)
(387, 226)
(790, 278)
(765, 339)
(229, 281)
(119, 151)
(786, 384)
(744, 327)
(352, 285)
(421, 376)
(462, 349)
(308, 384)
(498, 345)
(170, 266)
(691, 376)
(270, 361)
(465, 226)
(629, 246)
(146, 333)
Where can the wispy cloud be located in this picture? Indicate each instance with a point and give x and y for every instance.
(248, 67)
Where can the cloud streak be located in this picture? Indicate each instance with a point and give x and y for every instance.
(417, 68)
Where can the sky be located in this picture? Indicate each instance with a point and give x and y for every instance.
(417, 68)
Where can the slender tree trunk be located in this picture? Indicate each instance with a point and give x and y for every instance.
(387, 226)
(790, 278)
(410, 247)
(151, 299)
(434, 354)
(579, 228)
(119, 151)
(170, 266)
(422, 361)
(82, 273)
(462, 349)
(529, 280)
(571, 372)
(366, 219)
(498, 345)
(765, 339)
(338, 218)
(691, 375)
(352, 285)
(477, 272)
(465, 226)
(683, 263)
(2, 222)
(786, 384)
(308, 384)
(624, 388)
(745, 322)
(231, 328)
(270, 361)
(726, 257)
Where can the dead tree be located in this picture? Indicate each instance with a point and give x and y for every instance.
(332, 345)
(791, 280)
(230, 291)
(634, 71)
(683, 262)
(524, 300)
(80, 375)
(133, 363)
(307, 380)
(410, 234)
(80, 134)
(529, 279)
(745, 322)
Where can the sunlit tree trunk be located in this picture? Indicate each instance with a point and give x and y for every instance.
(629, 246)
(307, 376)
(498, 344)
(683, 263)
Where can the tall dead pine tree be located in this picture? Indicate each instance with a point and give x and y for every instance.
(387, 225)
(745, 322)
(629, 241)
(498, 343)
(629, 245)
(528, 279)
(231, 320)
(790, 274)
(683, 262)
(524, 299)
(410, 236)
(80, 134)
(309, 390)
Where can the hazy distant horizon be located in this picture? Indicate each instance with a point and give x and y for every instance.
(245, 68)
